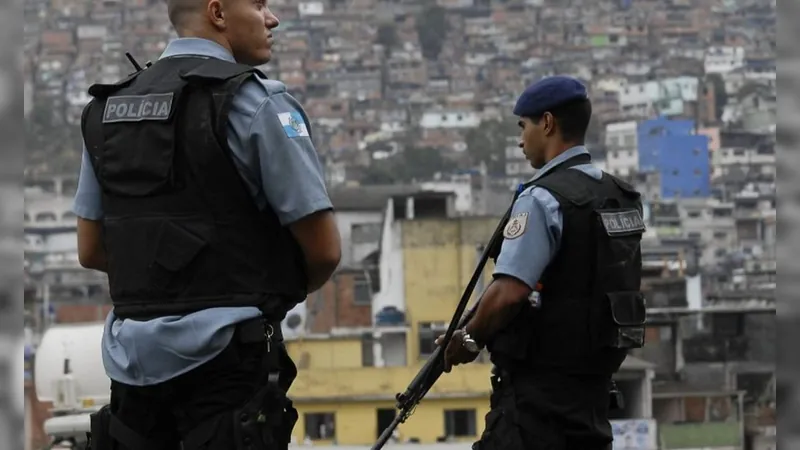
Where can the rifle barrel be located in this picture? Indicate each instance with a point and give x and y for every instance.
(387, 432)
(432, 370)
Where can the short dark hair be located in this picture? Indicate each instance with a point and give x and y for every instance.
(177, 11)
(573, 119)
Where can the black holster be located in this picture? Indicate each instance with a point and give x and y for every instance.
(106, 431)
(616, 400)
(502, 431)
(100, 430)
(263, 423)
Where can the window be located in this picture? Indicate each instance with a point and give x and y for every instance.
(320, 425)
(46, 217)
(694, 235)
(367, 350)
(362, 292)
(720, 235)
(722, 212)
(727, 325)
(630, 140)
(385, 418)
(428, 332)
(459, 423)
(694, 214)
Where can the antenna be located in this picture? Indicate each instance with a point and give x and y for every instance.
(133, 61)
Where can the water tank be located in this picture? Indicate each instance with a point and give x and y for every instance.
(69, 367)
(390, 316)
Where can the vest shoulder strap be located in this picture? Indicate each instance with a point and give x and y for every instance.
(215, 71)
(627, 189)
(103, 90)
(571, 184)
(230, 77)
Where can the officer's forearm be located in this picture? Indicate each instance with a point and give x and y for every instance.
(499, 304)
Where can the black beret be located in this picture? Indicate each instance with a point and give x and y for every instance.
(548, 93)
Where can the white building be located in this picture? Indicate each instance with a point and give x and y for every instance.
(450, 119)
(664, 97)
(723, 59)
(622, 156)
(762, 161)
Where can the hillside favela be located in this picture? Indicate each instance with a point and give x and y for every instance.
(410, 104)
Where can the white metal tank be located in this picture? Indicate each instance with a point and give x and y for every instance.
(69, 368)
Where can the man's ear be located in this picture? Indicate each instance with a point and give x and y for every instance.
(549, 125)
(216, 14)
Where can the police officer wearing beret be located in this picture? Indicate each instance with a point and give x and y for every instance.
(202, 197)
(564, 305)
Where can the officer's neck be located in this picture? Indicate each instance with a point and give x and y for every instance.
(555, 150)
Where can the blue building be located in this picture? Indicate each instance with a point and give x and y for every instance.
(681, 158)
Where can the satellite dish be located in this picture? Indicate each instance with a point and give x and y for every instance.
(294, 321)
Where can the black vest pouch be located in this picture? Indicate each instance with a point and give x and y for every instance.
(625, 331)
(619, 306)
(177, 245)
(143, 123)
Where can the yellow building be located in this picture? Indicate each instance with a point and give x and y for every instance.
(348, 378)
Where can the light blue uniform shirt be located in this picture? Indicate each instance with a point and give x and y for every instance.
(279, 167)
(527, 256)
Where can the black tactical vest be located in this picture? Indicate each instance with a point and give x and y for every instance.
(590, 311)
(180, 230)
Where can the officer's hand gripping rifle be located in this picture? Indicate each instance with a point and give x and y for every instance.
(434, 366)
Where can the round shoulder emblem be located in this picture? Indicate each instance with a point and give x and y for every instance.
(516, 226)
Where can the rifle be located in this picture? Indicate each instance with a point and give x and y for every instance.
(433, 368)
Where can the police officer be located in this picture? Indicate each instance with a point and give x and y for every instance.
(201, 195)
(564, 306)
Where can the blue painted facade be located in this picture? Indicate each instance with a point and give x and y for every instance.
(671, 148)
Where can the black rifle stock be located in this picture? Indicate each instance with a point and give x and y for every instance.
(433, 368)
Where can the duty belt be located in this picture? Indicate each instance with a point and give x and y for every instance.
(259, 330)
